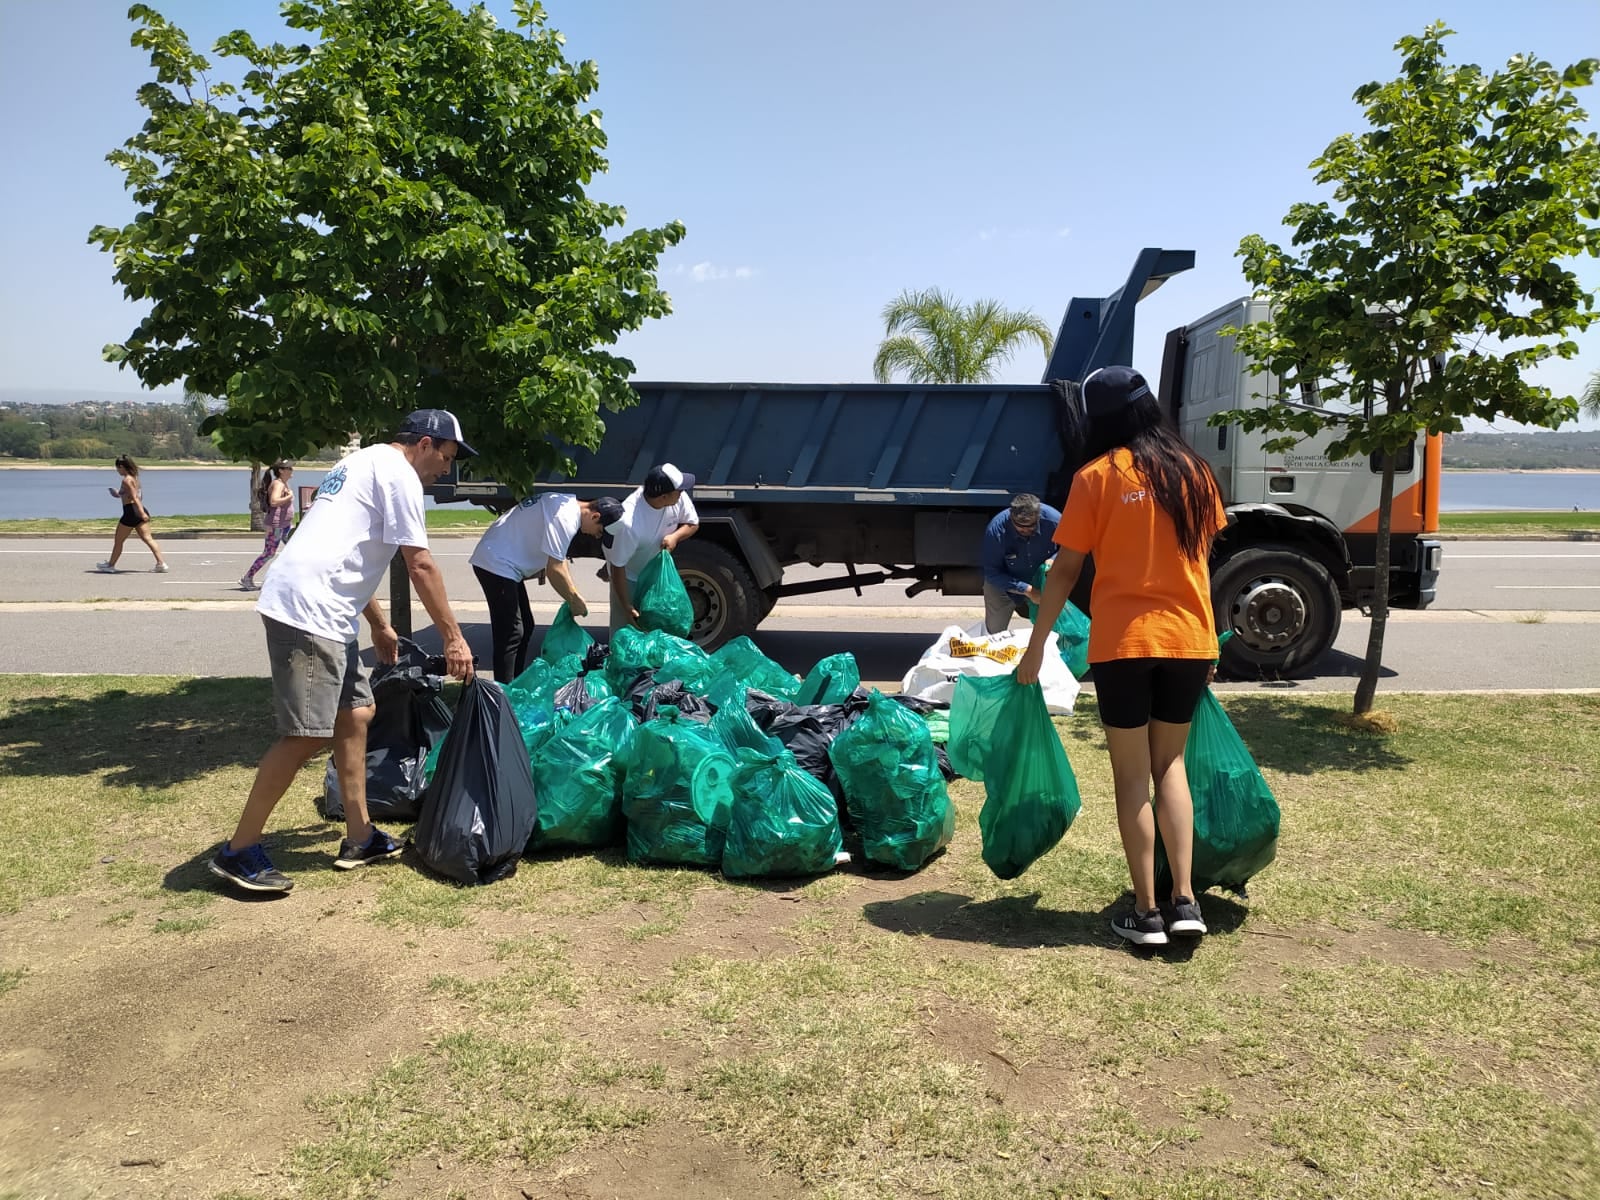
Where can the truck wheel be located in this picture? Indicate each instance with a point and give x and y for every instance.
(724, 594)
(1283, 609)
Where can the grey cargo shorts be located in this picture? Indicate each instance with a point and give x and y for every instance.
(312, 679)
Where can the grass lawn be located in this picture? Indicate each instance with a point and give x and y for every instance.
(1407, 1006)
(456, 517)
(1521, 524)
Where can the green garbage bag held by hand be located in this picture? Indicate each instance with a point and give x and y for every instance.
(1003, 731)
(783, 821)
(1071, 629)
(565, 636)
(661, 598)
(1236, 817)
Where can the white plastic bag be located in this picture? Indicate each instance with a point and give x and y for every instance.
(959, 652)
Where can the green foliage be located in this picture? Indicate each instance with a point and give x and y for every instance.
(393, 217)
(1436, 277)
(933, 338)
(148, 431)
(1589, 402)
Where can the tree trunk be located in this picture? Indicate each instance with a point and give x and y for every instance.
(1367, 688)
(258, 514)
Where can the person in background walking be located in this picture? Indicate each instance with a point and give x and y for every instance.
(531, 539)
(277, 504)
(368, 506)
(1015, 545)
(135, 517)
(1148, 508)
(657, 516)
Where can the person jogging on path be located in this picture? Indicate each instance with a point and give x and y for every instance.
(277, 506)
(369, 505)
(1148, 509)
(532, 538)
(135, 517)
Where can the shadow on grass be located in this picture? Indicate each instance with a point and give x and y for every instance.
(1018, 923)
(1302, 739)
(302, 849)
(140, 739)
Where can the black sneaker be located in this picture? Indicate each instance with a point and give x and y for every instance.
(250, 869)
(379, 846)
(1184, 918)
(1142, 929)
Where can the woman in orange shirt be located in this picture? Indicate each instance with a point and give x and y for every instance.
(1147, 507)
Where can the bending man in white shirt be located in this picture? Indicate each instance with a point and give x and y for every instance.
(658, 516)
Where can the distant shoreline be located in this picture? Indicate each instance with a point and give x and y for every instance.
(1522, 470)
(164, 465)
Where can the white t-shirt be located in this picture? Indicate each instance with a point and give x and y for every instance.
(523, 541)
(639, 533)
(368, 505)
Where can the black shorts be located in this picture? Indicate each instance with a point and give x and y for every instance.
(1134, 691)
(131, 516)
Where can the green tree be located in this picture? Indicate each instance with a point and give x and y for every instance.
(933, 338)
(393, 217)
(1421, 294)
(1589, 402)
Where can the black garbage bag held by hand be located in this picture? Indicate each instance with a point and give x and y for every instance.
(479, 810)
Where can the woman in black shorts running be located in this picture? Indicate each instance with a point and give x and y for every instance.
(1148, 509)
(135, 517)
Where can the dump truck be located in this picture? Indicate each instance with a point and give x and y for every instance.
(896, 482)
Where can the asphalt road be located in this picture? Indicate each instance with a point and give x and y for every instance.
(1522, 615)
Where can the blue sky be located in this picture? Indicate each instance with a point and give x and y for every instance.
(823, 157)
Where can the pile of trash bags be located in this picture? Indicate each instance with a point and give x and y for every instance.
(722, 760)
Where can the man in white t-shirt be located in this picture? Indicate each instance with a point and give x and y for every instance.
(533, 538)
(658, 516)
(369, 505)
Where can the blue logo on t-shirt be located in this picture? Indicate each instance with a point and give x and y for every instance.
(332, 482)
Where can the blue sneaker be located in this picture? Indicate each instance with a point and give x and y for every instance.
(250, 869)
(379, 846)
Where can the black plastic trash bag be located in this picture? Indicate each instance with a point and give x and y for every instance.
(577, 773)
(661, 598)
(1236, 816)
(480, 809)
(677, 793)
(674, 694)
(1001, 735)
(783, 821)
(409, 719)
(893, 789)
(807, 732)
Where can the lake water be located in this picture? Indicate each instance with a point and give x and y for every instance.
(79, 492)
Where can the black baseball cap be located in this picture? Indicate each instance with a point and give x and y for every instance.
(666, 479)
(1111, 389)
(610, 512)
(439, 424)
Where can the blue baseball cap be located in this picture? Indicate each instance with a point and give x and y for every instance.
(439, 424)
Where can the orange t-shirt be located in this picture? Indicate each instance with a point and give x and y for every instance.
(1148, 600)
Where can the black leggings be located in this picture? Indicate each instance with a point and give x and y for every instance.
(1134, 691)
(510, 623)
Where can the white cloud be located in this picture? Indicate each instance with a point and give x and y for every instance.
(708, 272)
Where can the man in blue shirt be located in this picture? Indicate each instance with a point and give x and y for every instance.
(1015, 544)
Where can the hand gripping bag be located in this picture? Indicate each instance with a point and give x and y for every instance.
(577, 773)
(1236, 817)
(1001, 735)
(565, 636)
(783, 822)
(892, 786)
(1071, 630)
(677, 793)
(661, 599)
(480, 809)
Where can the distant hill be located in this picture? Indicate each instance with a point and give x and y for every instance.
(15, 397)
(1542, 451)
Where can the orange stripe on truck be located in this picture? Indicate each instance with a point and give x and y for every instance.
(1416, 510)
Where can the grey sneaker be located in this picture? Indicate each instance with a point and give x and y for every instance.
(161, 568)
(105, 568)
(1141, 928)
(1184, 918)
(248, 584)
(250, 869)
(379, 846)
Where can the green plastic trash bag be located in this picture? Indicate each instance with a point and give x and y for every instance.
(635, 651)
(535, 717)
(1001, 734)
(739, 731)
(831, 681)
(783, 821)
(661, 599)
(893, 790)
(578, 773)
(565, 636)
(677, 792)
(1071, 628)
(741, 659)
(1236, 817)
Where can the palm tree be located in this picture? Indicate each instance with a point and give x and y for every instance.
(933, 338)
(1589, 402)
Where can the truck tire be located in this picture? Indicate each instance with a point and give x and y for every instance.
(1283, 608)
(726, 601)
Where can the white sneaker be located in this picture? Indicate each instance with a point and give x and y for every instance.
(161, 568)
(105, 568)
(248, 584)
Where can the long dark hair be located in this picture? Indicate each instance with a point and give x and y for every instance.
(264, 488)
(1180, 479)
(126, 463)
